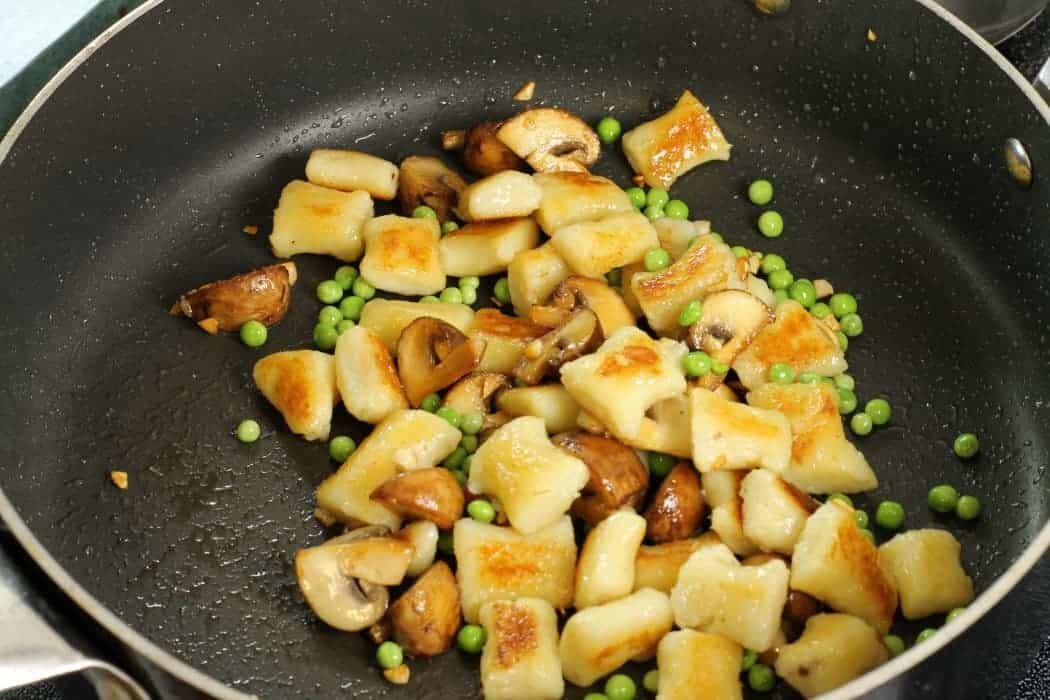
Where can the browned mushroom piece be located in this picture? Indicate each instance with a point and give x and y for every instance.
(800, 607)
(677, 508)
(425, 619)
(453, 139)
(477, 393)
(432, 355)
(551, 140)
(483, 153)
(618, 477)
(423, 494)
(583, 292)
(260, 295)
(580, 334)
(730, 321)
(426, 181)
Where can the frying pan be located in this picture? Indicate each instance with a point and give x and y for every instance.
(129, 180)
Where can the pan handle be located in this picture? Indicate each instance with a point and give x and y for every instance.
(1042, 82)
(32, 651)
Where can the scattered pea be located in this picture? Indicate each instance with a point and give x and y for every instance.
(325, 336)
(943, 498)
(350, 307)
(620, 687)
(595, 696)
(847, 401)
(780, 295)
(253, 334)
(471, 423)
(470, 282)
(869, 534)
(889, 515)
(719, 367)
(808, 378)
(968, 507)
(773, 263)
(716, 236)
(760, 192)
(925, 634)
(803, 292)
(653, 212)
(449, 414)
(345, 276)
(820, 310)
(467, 462)
(329, 292)
(843, 340)
(637, 197)
(966, 445)
(845, 381)
(879, 410)
(341, 447)
(740, 251)
(651, 681)
(431, 403)
(470, 444)
(894, 644)
(852, 325)
(471, 638)
(363, 289)
(482, 511)
(840, 497)
(781, 373)
(842, 304)
(248, 430)
(424, 212)
(469, 294)
(614, 277)
(608, 129)
(761, 678)
(502, 290)
(390, 655)
(657, 197)
(780, 279)
(860, 424)
(451, 295)
(660, 464)
(329, 315)
(657, 259)
(448, 227)
(861, 518)
(953, 613)
(749, 659)
(343, 326)
(770, 224)
(696, 363)
(455, 459)
(676, 209)
(691, 313)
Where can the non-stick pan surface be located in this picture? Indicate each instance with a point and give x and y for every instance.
(133, 181)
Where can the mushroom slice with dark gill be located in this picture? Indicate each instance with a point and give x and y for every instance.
(484, 154)
(477, 393)
(260, 295)
(432, 355)
(424, 494)
(551, 140)
(583, 292)
(343, 602)
(677, 508)
(426, 181)
(730, 321)
(618, 478)
(580, 334)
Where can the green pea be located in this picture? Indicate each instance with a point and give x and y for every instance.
(852, 325)
(455, 460)
(424, 212)
(471, 638)
(248, 431)
(341, 447)
(343, 326)
(715, 236)
(803, 292)
(448, 227)
(608, 129)
(502, 290)
(329, 315)
(845, 381)
(325, 336)
(719, 367)
(657, 259)
(843, 340)
(595, 696)
(894, 644)
(842, 304)
(968, 507)
(861, 518)
(773, 263)
(780, 279)
(847, 402)
(470, 282)
(820, 310)
(450, 415)
(620, 687)
(889, 515)
(953, 613)
(868, 534)
(389, 655)
(653, 212)
(431, 403)
(363, 289)
(253, 334)
(469, 461)
(471, 423)
(676, 209)
(482, 511)
(614, 277)
(966, 445)
(760, 192)
(740, 251)
(657, 197)
(345, 276)
(943, 498)
(770, 224)
(860, 424)
(351, 308)
(329, 292)
(840, 497)
(470, 444)
(446, 543)
(780, 295)
(761, 678)
(691, 313)
(651, 681)
(637, 197)
(469, 294)
(696, 363)
(781, 373)
(451, 295)
(808, 378)
(429, 299)
(749, 659)
(925, 634)
(660, 464)
(879, 410)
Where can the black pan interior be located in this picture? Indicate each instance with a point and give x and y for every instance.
(133, 182)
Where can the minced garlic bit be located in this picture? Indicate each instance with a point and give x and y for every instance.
(526, 91)
(209, 325)
(871, 35)
(119, 479)
(398, 675)
(638, 180)
(250, 230)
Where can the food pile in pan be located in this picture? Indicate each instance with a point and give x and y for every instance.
(629, 457)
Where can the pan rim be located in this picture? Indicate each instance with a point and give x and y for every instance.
(185, 672)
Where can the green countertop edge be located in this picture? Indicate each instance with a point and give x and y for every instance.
(16, 94)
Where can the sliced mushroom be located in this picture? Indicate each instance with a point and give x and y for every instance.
(380, 560)
(427, 181)
(260, 295)
(618, 477)
(425, 494)
(583, 292)
(730, 321)
(580, 334)
(484, 154)
(678, 506)
(432, 355)
(477, 393)
(345, 603)
(426, 617)
(551, 139)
